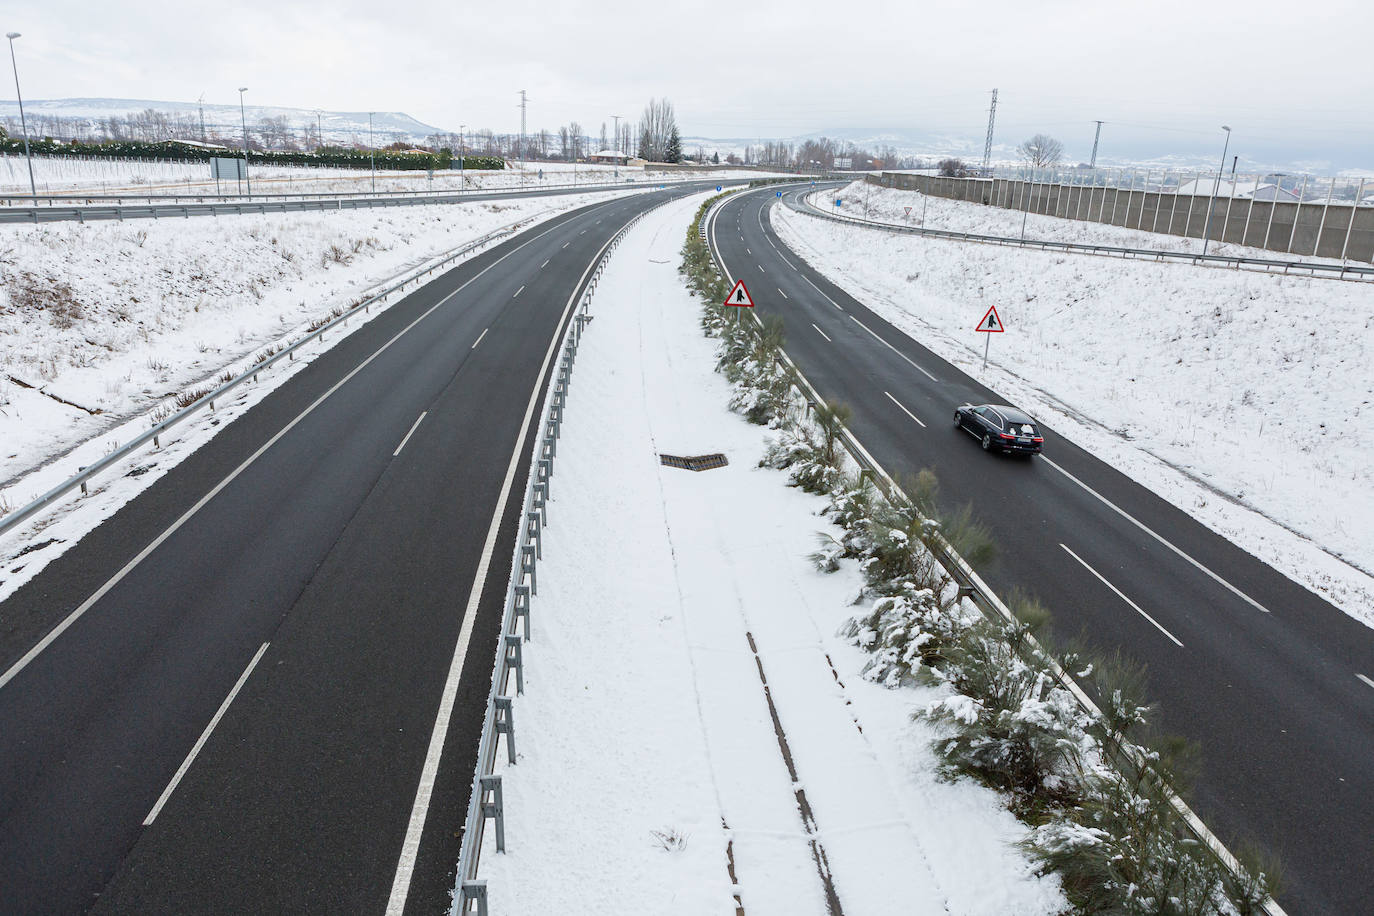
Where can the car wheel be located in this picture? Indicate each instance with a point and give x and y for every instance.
(958, 420)
(987, 442)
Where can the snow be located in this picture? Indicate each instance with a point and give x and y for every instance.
(165, 307)
(665, 596)
(1235, 395)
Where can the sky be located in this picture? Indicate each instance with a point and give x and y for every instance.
(1292, 81)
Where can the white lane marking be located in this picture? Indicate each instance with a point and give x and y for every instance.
(760, 267)
(479, 338)
(823, 295)
(422, 415)
(904, 410)
(583, 232)
(781, 293)
(186, 516)
(204, 736)
(1122, 512)
(566, 244)
(914, 365)
(1365, 679)
(518, 292)
(1119, 594)
(820, 332)
(410, 848)
(749, 250)
(545, 264)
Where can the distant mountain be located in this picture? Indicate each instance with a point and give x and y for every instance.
(336, 126)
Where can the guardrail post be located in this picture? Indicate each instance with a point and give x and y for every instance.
(494, 809)
(527, 564)
(540, 502)
(516, 659)
(522, 608)
(504, 721)
(471, 892)
(532, 533)
(544, 472)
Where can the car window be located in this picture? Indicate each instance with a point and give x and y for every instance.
(981, 411)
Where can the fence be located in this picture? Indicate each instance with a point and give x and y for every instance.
(1328, 218)
(972, 587)
(486, 802)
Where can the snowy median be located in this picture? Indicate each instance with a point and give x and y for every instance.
(1240, 397)
(694, 736)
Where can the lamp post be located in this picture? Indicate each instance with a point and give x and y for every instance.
(462, 173)
(23, 125)
(372, 152)
(1216, 186)
(243, 119)
(616, 150)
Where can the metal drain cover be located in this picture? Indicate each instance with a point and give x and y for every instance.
(695, 462)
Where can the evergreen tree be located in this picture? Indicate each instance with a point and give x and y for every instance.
(674, 151)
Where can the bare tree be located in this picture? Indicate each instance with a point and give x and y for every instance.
(1041, 151)
(952, 168)
(576, 140)
(656, 126)
(564, 143)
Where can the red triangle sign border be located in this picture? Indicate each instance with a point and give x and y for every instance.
(739, 296)
(995, 326)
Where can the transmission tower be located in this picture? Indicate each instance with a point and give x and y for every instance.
(1093, 162)
(987, 145)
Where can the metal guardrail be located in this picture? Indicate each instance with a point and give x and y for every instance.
(154, 435)
(1268, 265)
(485, 801)
(346, 201)
(972, 586)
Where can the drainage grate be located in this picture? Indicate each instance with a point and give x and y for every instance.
(694, 463)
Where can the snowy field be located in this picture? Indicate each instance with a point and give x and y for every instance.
(1233, 394)
(889, 205)
(56, 174)
(119, 319)
(649, 777)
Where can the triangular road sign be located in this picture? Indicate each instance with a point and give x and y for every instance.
(739, 296)
(991, 323)
(908, 210)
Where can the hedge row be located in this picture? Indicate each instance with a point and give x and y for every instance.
(325, 156)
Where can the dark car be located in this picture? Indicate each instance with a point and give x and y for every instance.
(1000, 427)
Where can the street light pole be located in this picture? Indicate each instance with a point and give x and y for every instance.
(462, 173)
(23, 125)
(372, 152)
(1216, 186)
(243, 119)
(616, 159)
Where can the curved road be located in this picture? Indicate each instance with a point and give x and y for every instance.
(238, 719)
(1262, 673)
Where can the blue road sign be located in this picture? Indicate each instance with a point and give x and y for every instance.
(837, 202)
(779, 193)
(717, 187)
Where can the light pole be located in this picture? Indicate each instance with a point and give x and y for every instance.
(319, 129)
(372, 152)
(1216, 186)
(23, 125)
(616, 158)
(243, 119)
(462, 174)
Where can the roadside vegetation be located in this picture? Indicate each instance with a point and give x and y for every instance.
(1097, 794)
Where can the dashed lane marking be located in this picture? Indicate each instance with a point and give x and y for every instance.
(1122, 596)
(904, 410)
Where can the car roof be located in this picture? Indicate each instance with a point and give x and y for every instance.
(1012, 414)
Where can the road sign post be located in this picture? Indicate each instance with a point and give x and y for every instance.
(991, 324)
(739, 298)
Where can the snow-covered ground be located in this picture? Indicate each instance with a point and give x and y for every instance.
(57, 174)
(649, 772)
(117, 319)
(1244, 398)
(863, 200)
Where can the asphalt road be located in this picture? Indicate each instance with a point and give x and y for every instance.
(1258, 670)
(307, 606)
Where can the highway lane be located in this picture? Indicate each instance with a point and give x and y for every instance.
(1257, 669)
(308, 608)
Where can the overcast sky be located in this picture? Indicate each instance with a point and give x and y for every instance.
(1167, 74)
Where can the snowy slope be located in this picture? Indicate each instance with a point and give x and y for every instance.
(1233, 394)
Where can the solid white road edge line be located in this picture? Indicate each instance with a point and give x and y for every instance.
(423, 413)
(410, 847)
(479, 338)
(904, 410)
(895, 350)
(1141, 525)
(820, 332)
(172, 529)
(204, 736)
(1365, 679)
(1119, 594)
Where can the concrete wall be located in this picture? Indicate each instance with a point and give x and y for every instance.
(1305, 229)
